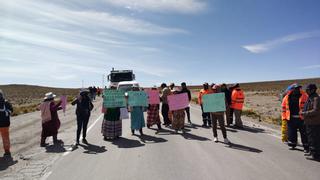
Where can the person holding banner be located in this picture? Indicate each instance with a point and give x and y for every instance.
(218, 116)
(184, 89)
(112, 123)
(137, 117)
(205, 116)
(153, 116)
(165, 107)
(178, 115)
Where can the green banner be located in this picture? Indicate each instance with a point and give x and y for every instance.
(114, 98)
(137, 98)
(214, 102)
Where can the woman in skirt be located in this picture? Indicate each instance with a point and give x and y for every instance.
(137, 117)
(111, 124)
(153, 114)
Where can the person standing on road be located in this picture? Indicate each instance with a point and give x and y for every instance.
(5, 112)
(184, 89)
(112, 123)
(292, 106)
(83, 112)
(205, 116)
(218, 116)
(311, 115)
(137, 116)
(165, 107)
(227, 95)
(237, 100)
(178, 117)
(50, 119)
(153, 116)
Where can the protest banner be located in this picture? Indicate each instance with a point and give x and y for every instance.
(153, 96)
(113, 98)
(214, 102)
(63, 103)
(178, 101)
(137, 98)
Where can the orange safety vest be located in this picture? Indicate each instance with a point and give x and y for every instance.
(285, 105)
(203, 92)
(237, 99)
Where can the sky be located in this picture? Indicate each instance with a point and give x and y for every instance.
(69, 43)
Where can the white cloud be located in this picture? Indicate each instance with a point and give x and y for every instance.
(179, 6)
(316, 66)
(268, 45)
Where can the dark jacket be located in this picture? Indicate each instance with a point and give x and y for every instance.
(185, 90)
(311, 112)
(227, 95)
(5, 112)
(84, 106)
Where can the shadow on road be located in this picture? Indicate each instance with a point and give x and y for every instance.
(55, 149)
(93, 149)
(6, 162)
(151, 139)
(249, 129)
(127, 143)
(244, 148)
(189, 136)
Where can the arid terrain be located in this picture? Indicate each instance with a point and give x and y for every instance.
(26, 98)
(262, 100)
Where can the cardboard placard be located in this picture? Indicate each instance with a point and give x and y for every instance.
(214, 102)
(153, 97)
(114, 98)
(178, 101)
(137, 98)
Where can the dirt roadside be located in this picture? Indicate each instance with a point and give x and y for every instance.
(30, 161)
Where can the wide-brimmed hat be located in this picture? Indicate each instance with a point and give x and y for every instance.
(49, 95)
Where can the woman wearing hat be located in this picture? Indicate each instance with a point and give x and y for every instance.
(83, 112)
(50, 119)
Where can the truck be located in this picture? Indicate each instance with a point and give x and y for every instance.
(122, 79)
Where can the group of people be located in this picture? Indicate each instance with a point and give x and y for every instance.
(94, 92)
(301, 112)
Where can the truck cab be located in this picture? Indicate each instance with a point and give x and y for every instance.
(117, 76)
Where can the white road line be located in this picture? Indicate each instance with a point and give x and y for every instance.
(88, 130)
(46, 175)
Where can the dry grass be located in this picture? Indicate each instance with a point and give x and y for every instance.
(25, 98)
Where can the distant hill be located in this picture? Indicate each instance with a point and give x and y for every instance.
(29, 94)
(271, 85)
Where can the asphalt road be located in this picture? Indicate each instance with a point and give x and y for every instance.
(255, 153)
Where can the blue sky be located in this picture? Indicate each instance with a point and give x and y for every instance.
(60, 43)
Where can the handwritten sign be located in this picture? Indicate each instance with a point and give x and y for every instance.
(178, 101)
(63, 103)
(153, 96)
(137, 98)
(214, 102)
(113, 98)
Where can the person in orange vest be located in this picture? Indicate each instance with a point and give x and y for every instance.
(292, 107)
(237, 100)
(5, 113)
(205, 116)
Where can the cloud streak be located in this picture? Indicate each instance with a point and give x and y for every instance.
(161, 6)
(268, 45)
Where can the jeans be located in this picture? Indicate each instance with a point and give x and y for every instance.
(165, 113)
(205, 117)
(220, 118)
(295, 124)
(313, 133)
(82, 123)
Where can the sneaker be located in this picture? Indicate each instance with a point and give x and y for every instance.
(215, 139)
(85, 141)
(226, 141)
(306, 151)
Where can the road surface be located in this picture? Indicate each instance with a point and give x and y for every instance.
(255, 153)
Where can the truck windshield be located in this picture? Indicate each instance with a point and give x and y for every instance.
(117, 77)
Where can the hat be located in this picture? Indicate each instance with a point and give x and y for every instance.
(236, 85)
(311, 86)
(49, 95)
(216, 86)
(296, 85)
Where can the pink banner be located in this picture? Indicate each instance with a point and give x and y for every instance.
(153, 96)
(63, 103)
(178, 101)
